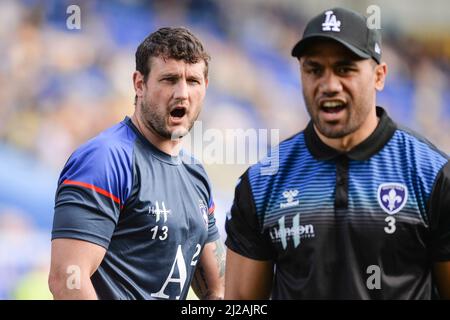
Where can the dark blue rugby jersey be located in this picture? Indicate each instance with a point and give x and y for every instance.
(152, 212)
(367, 224)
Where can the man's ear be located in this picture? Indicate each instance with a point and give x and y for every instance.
(139, 84)
(380, 76)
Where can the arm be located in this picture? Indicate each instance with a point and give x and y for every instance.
(72, 264)
(250, 255)
(208, 282)
(247, 279)
(440, 224)
(442, 276)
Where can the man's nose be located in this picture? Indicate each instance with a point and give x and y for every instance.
(181, 90)
(330, 83)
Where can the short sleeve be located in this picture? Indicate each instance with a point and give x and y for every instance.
(244, 232)
(213, 232)
(92, 190)
(439, 210)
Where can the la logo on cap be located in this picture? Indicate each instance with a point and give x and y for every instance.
(331, 23)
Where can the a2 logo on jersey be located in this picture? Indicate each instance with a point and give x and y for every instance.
(161, 214)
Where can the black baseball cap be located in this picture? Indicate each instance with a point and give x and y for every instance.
(346, 27)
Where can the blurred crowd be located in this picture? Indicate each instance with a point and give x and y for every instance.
(60, 87)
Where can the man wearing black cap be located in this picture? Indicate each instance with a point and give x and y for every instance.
(359, 208)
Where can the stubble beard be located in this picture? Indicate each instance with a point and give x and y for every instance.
(352, 123)
(156, 122)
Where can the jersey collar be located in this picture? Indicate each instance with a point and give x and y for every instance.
(160, 155)
(363, 151)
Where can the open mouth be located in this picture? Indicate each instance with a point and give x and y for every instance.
(332, 106)
(178, 112)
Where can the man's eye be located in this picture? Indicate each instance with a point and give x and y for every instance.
(170, 79)
(193, 81)
(343, 70)
(314, 71)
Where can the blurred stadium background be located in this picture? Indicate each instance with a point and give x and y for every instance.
(59, 87)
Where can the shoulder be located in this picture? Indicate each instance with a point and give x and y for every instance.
(418, 149)
(109, 151)
(416, 157)
(281, 156)
(117, 140)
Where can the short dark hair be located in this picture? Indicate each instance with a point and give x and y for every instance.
(170, 43)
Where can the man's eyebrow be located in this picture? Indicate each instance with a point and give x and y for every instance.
(345, 62)
(169, 75)
(194, 76)
(310, 63)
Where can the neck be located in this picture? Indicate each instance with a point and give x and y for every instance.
(169, 146)
(350, 141)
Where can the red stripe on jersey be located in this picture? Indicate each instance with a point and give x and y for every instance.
(96, 189)
(212, 208)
